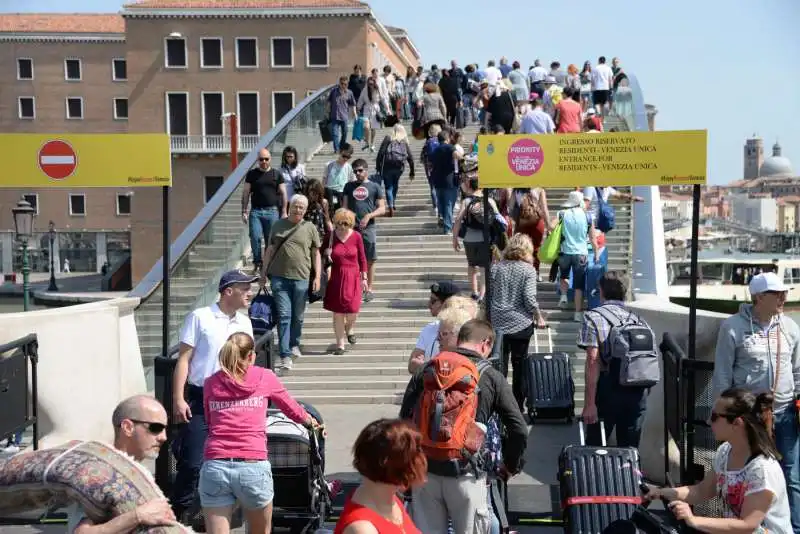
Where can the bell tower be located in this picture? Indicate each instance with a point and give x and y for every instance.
(753, 156)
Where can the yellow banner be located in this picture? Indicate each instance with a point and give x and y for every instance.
(86, 160)
(593, 159)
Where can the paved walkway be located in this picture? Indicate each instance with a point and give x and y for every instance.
(528, 492)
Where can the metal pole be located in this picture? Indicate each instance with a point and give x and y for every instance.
(26, 271)
(234, 141)
(165, 243)
(487, 241)
(693, 274)
(52, 286)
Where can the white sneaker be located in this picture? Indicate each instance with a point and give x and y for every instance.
(11, 449)
(296, 352)
(286, 364)
(562, 302)
(577, 317)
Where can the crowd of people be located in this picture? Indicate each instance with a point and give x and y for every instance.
(425, 471)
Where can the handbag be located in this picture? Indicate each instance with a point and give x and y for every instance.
(314, 296)
(551, 246)
(358, 129)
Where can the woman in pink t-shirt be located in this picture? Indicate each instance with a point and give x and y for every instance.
(235, 463)
(568, 113)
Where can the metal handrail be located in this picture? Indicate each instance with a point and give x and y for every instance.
(183, 243)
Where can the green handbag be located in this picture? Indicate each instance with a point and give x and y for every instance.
(551, 246)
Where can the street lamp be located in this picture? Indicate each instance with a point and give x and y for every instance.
(23, 226)
(52, 233)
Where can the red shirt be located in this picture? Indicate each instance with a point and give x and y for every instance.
(355, 512)
(569, 116)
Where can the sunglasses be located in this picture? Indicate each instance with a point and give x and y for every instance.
(728, 417)
(153, 428)
(358, 171)
(263, 159)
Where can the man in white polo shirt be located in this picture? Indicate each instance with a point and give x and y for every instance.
(204, 332)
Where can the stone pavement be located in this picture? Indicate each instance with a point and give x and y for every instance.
(528, 492)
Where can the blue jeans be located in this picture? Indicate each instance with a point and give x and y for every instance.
(338, 133)
(188, 450)
(290, 301)
(16, 439)
(260, 223)
(223, 482)
(787, 441)
(618, 407)
(446, 198)
(391, 181)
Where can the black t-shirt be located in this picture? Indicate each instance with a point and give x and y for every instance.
(264, 190)
(362, 198)
(442, 167)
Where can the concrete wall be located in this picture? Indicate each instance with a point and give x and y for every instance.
(89, 360)
(664, 317)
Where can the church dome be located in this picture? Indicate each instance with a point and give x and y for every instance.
(776, 165)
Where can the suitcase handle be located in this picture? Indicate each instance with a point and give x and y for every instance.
(582, 433)
(549, 339)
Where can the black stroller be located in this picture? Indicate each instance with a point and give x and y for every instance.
(302, 500)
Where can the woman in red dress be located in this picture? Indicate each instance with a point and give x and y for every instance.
(348, 278)
(388, 456)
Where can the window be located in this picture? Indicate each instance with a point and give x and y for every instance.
(33, 200)
(175, 53)
(212, 113)
(75, 107)
(27, 107)
(211, 53)
(119, 70)
(249, 112)
(282, 52)
(282, 103)
(317, 52)
(77, 204)
(178, 113)
(123, 203)
(72, 70)
(121, 109)
(246, 52)
(212, 185)
(24, 68)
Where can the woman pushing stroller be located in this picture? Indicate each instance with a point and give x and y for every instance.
(236, 465)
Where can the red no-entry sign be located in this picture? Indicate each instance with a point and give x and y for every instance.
(57, 159)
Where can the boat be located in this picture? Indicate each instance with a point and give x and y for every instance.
(724, 277)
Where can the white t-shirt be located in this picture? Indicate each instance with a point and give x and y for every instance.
(761, 473)
(428, 339)
(493, 76)
(206, 330)
(590, 193)
(602, 77)
(537, 74)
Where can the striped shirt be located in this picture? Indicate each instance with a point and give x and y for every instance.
(595, 328)
(514, 302)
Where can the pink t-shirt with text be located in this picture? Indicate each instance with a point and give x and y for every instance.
(236, 413)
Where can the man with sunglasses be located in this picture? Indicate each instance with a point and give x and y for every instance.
(759, 349)
(140, 429)
(265, 191)
(427, 342)
(341, 106)
(367, 200)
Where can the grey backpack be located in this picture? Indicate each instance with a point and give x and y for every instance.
(630, 350)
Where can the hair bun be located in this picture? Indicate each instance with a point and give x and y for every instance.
(763, 401)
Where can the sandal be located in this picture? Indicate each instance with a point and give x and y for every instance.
(352, 339)
(338, 352)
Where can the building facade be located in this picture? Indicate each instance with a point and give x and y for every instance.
(173, 66)
(755, 210)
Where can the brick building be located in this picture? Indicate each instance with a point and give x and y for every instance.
(170, 66)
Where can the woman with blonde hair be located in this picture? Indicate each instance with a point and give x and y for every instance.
(236, 465)
(348, 280)
(391, 162)
(515, 311)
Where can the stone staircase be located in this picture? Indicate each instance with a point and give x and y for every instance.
(412, 254)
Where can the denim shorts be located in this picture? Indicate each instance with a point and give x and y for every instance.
(223, 482)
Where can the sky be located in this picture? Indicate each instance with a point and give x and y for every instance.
(728, 66)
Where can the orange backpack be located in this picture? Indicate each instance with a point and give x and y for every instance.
(445, 414)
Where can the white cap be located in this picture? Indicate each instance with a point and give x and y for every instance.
(574, 200)
(761, 283)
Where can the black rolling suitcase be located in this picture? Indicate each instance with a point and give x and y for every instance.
(551, 390)
(599, 485)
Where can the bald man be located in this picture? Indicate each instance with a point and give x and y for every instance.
(140, 429)
(265, 191)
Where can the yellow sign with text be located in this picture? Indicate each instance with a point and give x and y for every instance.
(596, 159)
(86, 160)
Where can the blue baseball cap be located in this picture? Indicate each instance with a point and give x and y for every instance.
(235, 277)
